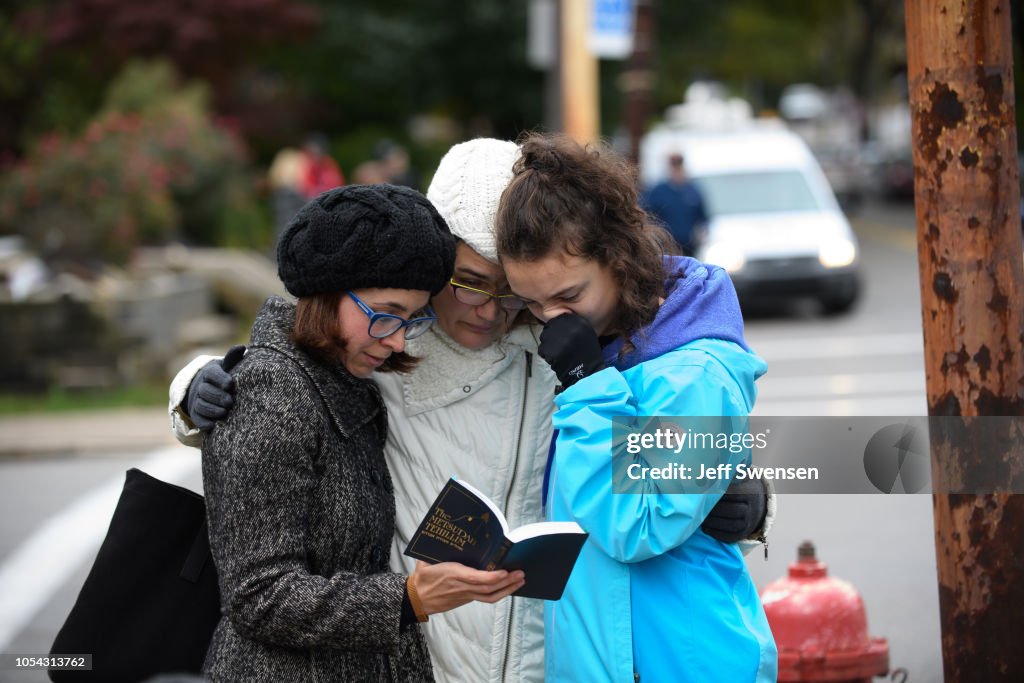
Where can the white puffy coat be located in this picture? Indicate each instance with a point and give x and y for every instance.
(485, 417)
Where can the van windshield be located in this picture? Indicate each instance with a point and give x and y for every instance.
(757, 192)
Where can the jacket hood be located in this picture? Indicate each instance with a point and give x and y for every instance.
(700, 303)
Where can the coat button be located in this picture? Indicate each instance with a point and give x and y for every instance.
(375, 476)
(467, 388)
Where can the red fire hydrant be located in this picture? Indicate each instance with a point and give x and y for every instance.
(820, 626)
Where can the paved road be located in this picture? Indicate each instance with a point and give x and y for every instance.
(53, 510)
(53, 514)
(867, 363)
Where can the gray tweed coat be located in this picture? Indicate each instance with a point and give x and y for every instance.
(301, 514)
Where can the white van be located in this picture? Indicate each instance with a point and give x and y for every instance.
(774, 222)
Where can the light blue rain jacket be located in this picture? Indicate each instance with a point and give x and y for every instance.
(651, 594)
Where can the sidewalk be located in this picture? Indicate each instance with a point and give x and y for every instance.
(90, 432)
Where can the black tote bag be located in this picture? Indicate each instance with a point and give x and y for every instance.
(150, 602)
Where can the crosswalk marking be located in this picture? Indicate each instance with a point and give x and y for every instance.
(853, 346)
(31, 574)
(772, 388)
(902, 404)
(847, 391)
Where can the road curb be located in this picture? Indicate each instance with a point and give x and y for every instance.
(84, 433)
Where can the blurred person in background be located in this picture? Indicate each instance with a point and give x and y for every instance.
(369, 172)
(285, 178)
(677, 202)
(320, 172)
(299, 499)
(630, 332)
(478, 406)
(394, 162)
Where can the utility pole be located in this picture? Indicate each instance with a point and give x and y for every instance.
(637, 80)
(972, 296)
(553, 73)
(579, 74)
(543, 52)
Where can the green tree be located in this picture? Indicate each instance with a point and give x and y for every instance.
(760, 46)
(59, 55)
(150, 166)
(375, 64)
(281, 68)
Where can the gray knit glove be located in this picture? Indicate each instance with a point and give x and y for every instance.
(212, 391)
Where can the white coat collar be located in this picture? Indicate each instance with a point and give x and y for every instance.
(448, 372)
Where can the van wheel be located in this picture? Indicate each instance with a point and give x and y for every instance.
(839, 303)
(842, 296)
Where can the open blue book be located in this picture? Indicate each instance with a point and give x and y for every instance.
(463, 525)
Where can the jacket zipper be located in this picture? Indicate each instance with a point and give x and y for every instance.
(508, 498)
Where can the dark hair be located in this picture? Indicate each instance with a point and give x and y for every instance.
(583, 200)
(316, 332)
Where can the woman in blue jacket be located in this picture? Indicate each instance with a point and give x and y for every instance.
(631, 332)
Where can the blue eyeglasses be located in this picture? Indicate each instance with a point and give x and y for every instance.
(385, 324)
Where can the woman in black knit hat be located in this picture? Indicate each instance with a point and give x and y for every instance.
(299, 499)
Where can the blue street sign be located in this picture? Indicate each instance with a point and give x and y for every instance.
(611, 31)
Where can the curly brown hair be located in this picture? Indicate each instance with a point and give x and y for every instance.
(316, 332)
(583, 200)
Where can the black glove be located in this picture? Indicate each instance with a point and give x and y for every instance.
(739, 513)
(569, 345)
(212, 391)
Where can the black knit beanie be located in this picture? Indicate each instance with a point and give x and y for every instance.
(363, 236)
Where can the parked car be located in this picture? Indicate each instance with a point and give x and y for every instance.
(775, 224)
(896, 176)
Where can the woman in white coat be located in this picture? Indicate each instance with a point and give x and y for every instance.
(478, 406)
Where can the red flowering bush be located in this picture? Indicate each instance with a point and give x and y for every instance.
(150, 167)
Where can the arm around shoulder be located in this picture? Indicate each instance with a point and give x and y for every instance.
(759, 538)
(184, 431)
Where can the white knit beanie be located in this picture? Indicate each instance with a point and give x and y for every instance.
(467, 186)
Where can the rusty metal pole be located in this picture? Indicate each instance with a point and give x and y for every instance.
(972, 294)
